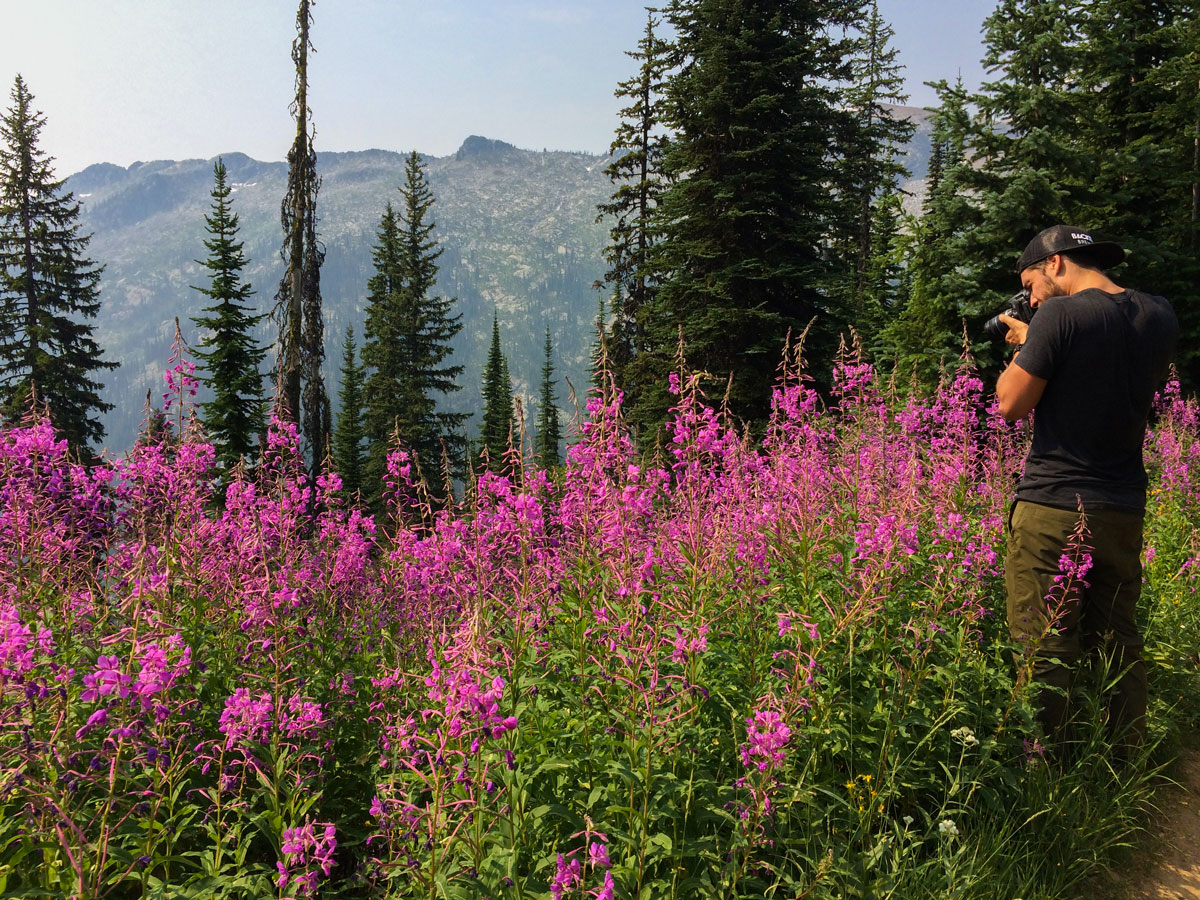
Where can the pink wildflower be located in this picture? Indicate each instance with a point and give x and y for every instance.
(106, 679)
(245, 718)
(766, 737)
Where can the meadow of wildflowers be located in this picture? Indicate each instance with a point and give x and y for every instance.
(737, 669)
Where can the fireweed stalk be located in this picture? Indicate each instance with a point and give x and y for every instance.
(732, 669)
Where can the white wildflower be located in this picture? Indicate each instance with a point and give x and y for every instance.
(964, 736)
(948, 828)
(908, 820)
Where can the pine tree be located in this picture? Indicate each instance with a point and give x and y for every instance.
(637, 171)
(885, 284)
(48, 286)
(298, 301)
(229, 354)
(743, 226)
(498, 413)
(1032, 171)
(927, 331)
(1085, 126)
(1140, 70)
(1028, 168)
(867, 172)
(407, 346)
(600, 365)
(549, 434)
(348, 436)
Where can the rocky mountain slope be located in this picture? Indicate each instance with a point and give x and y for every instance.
(518, 229)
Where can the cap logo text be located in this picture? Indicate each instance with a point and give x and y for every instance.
(1081, 237)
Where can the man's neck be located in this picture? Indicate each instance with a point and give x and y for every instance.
(1086, 279)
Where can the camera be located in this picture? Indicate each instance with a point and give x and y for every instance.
(1018, 307)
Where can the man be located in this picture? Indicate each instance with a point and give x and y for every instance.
(1089, 362)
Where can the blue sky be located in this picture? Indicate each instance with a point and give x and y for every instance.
(127, 80)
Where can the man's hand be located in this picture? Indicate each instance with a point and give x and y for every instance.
(1016, 330)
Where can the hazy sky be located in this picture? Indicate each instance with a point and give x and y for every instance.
(127, 80)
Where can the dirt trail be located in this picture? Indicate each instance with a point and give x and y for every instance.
(1171, 871)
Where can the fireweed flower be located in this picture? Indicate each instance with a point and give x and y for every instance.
(95, 720)
(1074, 567)
(685, 644)
(245, 718)
(885, 542)
(157, 672)
(301, 717)
(303, 854)
(16, 644)
(628, 518)
(767, 736)
(463, 696)
(106, 679)
(568, 876)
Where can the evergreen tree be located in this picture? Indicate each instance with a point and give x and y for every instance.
(549, 434)
(48, 286)
(229, 354)
(753, 115)
(408, 333)
(156, 429)
(637, 171)
(599, 352)
(1028, 169)
(298, 301)
(927, 330)
(348, 436)
(1032, 171)
(1140, 73)
(498, 414)
(885, 283)
(1085, 126)
(868, 172)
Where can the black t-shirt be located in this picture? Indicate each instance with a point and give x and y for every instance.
(1103, 356)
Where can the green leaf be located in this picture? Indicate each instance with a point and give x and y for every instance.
(662, 839)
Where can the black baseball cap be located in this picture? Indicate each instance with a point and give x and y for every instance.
(1067, 239)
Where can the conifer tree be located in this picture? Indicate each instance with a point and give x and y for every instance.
(867, 171)
(348, 436)
(549, 434)
(498, 413)
(49, 289)
(1030, 171)
(229, 355)
(637, 172)
(753, 120)
(407, 340)
(1140, 73)
(927, 331)
(1067, 134)
(885, 284)
(156, 429)
(298, 301)
(599, 350)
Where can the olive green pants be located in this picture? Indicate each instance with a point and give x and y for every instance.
(1058, 630)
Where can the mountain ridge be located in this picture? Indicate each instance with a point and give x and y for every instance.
(517, 229)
